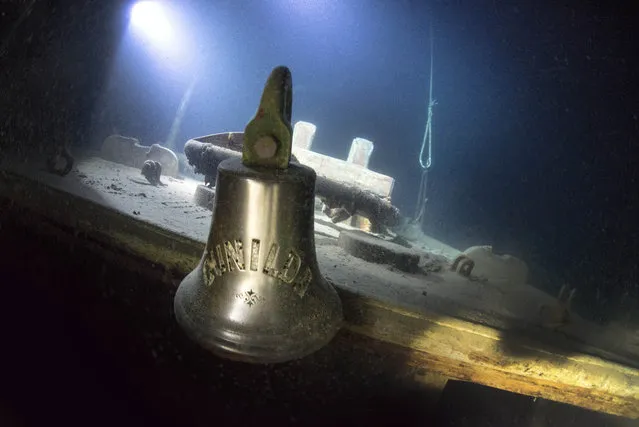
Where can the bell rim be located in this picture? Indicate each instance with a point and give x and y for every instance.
(269, 351)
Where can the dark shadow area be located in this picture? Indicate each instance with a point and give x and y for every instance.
(88, 342)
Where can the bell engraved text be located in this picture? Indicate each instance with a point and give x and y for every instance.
(229, 256)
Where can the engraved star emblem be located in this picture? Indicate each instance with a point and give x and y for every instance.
(250, 298)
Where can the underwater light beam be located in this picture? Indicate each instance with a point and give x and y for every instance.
(149, 19)
(153, 23)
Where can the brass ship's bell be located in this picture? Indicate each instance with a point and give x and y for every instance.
(257, 294)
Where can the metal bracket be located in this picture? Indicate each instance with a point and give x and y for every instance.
(268, 137)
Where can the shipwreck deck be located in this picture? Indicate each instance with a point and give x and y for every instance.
(441, 322)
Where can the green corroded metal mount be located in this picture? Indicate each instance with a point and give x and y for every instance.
(268, 137)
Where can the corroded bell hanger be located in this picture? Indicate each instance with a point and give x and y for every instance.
(257, 294)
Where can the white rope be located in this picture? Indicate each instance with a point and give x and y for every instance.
(427, 142)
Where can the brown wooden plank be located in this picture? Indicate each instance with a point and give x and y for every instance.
(471, 352)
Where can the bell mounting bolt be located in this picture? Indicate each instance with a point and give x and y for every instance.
(268, 137)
